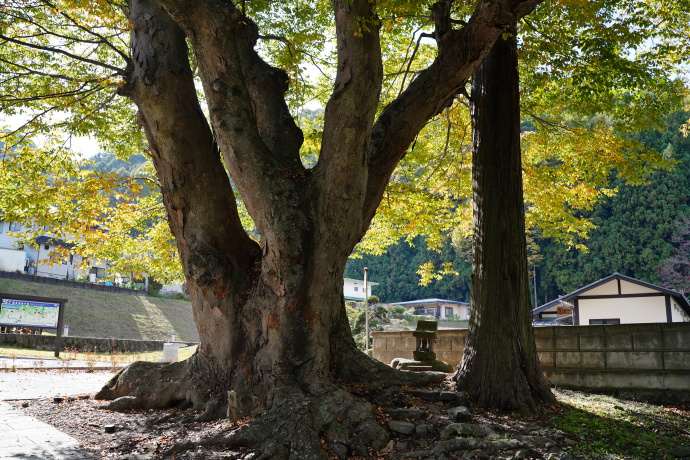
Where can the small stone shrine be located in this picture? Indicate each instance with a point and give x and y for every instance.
(426, 333)
(424, 356)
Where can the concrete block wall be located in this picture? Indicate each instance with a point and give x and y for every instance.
(391, 345)
(623, 356)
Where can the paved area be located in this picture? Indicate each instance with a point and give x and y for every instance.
(42, 384)
(26, 438)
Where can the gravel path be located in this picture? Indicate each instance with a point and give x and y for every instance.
(48, 384)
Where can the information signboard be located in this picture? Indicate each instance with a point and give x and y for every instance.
(27, 313)
(563, 311)
(24, 311)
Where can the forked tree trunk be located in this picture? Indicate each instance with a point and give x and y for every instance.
(270, 315)
(500, 367)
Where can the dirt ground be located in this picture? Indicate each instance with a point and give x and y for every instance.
(581, 428)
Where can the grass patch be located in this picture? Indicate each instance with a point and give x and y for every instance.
(106, 314)
(117, 357)
(612, 428)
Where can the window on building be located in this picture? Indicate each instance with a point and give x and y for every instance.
(449, 311)
(47, 246)
(15, 226)
(2, 226)
(605, 321)
(356, 288)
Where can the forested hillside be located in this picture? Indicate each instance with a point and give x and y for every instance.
(633, 237)
(634, 227)
(108, 162)
(396, 273)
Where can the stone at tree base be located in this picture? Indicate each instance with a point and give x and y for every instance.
(426, 395)
(680, 451)
(521, 454)
(480, 454)
(468, 429)
(422, 430)
(401, 446)
(413, 414)
(339, 450)
(436, 366)
(459, 414)
(405, 428)
(371, 434)
(448, 396)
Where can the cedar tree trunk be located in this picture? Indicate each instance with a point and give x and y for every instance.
(500, 367)
(271, 315)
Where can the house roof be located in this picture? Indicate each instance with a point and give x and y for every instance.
(430, 301)
(43, 239)
(678, 296)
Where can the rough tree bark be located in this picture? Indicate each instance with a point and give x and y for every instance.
(500, 366)
(271, 315)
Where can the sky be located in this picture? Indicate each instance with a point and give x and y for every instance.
(84, 146)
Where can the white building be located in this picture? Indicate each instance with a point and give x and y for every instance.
(353, 290)
(33, 259)
(438, 308)
(616, 299)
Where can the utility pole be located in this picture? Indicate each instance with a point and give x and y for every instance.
(534, 266)
(366, 312)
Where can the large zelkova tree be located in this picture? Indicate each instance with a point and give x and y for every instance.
(274, 337)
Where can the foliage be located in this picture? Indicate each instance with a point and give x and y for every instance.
(62, 65)
(358, 324)
(106, 216)
(633, 227)
(591, 73)
(395, 272)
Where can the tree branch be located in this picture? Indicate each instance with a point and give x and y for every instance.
(101, 38)
(459, 53)
(48, 49)
(203, 216)
(256, 133)
(350, 112)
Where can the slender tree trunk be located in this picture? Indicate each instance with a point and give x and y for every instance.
(500, 367)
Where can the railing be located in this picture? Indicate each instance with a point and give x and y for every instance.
(68, 283)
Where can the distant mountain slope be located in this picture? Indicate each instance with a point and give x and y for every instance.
(104, 314)
(107, 162)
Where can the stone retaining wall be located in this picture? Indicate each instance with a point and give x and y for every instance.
(47, 342)
(623, 356)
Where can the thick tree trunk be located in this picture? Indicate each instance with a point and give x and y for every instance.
(270, 315)
(500, 367)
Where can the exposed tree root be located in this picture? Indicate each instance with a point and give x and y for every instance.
(353, 366)
(292, 425)
(145, 385)
(297, 426)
